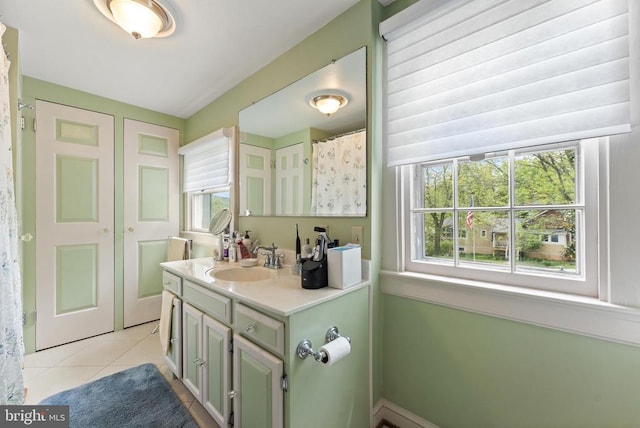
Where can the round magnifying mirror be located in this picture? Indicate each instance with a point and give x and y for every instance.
(220, 222)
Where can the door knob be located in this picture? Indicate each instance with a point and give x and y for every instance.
(27, 237)
(105, 230)
(130, 229)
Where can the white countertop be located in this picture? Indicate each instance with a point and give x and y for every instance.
(281, 294)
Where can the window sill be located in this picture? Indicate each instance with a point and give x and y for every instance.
(573, 314)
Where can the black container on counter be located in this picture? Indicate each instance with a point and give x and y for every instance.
(314, 274)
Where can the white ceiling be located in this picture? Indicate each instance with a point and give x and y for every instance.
(217, 44)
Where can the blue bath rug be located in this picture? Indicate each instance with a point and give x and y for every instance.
(137, 397)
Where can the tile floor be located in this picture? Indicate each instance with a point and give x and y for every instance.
(67, 366)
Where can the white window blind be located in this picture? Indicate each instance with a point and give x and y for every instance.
(469, 77)
(207, 161)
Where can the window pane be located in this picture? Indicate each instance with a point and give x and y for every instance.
(484, 183)
(546, 240)
(438, 185)
(205, 205)
(438, 235)
(546, 177)
(486, 242)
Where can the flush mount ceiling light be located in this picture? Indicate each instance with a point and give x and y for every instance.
(140, 18)
(328, 104)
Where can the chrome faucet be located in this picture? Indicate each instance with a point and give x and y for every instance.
(272, 260)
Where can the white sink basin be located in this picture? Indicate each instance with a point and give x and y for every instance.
(241, 274)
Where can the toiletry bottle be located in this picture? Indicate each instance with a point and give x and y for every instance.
(233, 249)
(307, 250)
(225, 251)
(247, 240)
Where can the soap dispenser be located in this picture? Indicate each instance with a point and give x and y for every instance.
(246, 241)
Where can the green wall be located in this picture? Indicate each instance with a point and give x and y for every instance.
(33, 89)
(458, 369)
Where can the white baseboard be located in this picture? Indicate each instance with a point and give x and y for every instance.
(386, 410)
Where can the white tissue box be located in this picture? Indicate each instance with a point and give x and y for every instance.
(344, 266)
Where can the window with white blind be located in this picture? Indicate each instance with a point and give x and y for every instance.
(495, 112)
(207, 172)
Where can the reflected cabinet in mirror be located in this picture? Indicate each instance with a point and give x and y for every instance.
(303, 149)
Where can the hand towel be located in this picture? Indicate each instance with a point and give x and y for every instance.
(166, 313)
(177, 249)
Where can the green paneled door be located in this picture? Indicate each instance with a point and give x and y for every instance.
(255, 187)
(289, 176)
(74, 224)
(151, 215)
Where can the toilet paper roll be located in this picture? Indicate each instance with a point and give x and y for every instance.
(335, 350)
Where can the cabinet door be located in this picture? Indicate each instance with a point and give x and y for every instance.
(216, 338)
(174, 357)
(192, 362)
(258, 399)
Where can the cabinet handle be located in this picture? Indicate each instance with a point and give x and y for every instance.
(251, 328)
(233, 394)
(173, 340)
(199, 362)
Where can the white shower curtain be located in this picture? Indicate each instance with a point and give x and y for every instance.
(11, 341)
(339, 185)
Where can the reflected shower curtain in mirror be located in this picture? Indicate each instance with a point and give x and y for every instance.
(11, 341)
(339, 182)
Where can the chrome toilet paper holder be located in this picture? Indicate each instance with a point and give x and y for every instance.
(305, 348)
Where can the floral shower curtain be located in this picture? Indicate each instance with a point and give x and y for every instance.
(11, 341)
(339, 182)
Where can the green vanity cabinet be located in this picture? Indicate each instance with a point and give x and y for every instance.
(239, 354)
(207, 362)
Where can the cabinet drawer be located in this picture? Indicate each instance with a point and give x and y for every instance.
(263, 329)
(213, 304)
(172, 283)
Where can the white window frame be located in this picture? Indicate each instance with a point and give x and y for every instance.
(189, 201)
(203, 235)
(595, 317)
(585, 284)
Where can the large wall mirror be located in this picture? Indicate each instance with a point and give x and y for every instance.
(295, 160)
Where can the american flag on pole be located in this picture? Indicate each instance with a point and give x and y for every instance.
(470, 219)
